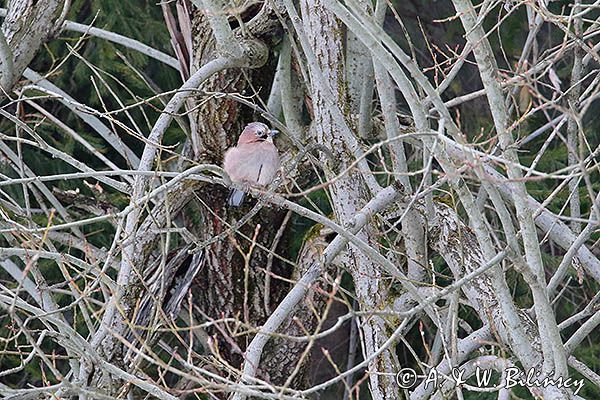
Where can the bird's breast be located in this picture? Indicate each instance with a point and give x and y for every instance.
(255, 163)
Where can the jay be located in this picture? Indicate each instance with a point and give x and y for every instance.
(253, 161)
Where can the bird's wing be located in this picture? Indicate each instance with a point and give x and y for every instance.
(243, 163)
(269, 163)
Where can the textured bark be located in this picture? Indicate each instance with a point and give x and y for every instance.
(122, 303)
(27, 25)
(219, 121)
(350, 192)
(457, 244)
(281, 355)
(219, 290)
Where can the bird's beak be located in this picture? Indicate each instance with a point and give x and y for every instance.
(271, 134)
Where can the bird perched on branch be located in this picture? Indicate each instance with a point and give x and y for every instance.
(254, 161)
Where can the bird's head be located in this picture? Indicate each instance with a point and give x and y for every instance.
(256, 132)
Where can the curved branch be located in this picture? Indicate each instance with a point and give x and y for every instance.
(118, 39)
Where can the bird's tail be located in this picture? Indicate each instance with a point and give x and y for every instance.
(236, 198)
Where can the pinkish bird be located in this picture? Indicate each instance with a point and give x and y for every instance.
(253, 161)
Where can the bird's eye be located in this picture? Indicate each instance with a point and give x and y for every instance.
(260, 133)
